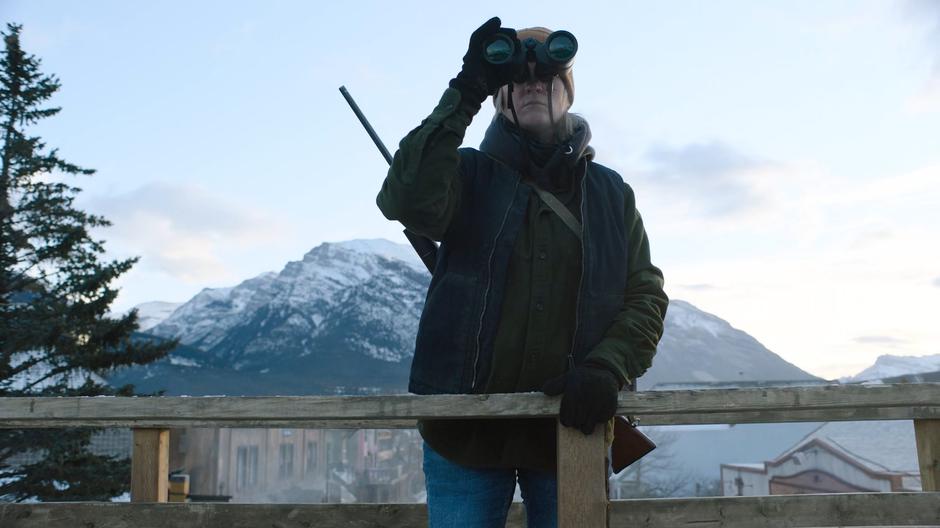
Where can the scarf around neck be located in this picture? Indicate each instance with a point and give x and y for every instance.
(552, 167)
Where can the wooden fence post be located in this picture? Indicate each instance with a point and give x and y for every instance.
(582, 475)
(927, 435)
(150, 465)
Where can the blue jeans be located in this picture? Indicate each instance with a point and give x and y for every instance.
(462, 497)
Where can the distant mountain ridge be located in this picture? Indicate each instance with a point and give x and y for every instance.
(891, 366)
(344, 319)
(699, 346)
(152, 313)
(363, 280)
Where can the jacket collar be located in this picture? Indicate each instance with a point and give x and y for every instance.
(551, 166)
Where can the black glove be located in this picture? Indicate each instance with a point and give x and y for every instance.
(589, 395)
(478, 78)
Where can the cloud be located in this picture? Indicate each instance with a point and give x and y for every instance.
(848, 282)
(905, 192)
(927, 100)
(871, 236)
(184, 230)
(713, 179)
(880, 340)
(697, 287)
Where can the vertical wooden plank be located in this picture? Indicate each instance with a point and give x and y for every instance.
(927, 435)
(150, 465)
(582, 474)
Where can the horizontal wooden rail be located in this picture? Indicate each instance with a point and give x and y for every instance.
(779, 511)
(769, 405)
(776, 511)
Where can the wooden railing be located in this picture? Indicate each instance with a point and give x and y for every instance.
(581, 486)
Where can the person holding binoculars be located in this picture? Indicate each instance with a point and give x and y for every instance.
(543, 280)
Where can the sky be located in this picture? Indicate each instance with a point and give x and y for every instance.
(785, 155)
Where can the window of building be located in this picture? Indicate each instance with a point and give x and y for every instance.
(311, 457)
(286, 466)
(246, 467)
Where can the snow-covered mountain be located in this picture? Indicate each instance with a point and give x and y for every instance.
(889, 366)
(344, 318)
(151, 314)
(360, 282)
(700, 347)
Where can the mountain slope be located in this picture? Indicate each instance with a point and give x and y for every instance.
(151, 314)
(344, 319)
(698, 346)
(890, 366)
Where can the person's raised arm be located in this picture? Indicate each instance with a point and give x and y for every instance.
(422, 189)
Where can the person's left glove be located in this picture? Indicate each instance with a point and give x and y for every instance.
(478, 78)
(589, 395)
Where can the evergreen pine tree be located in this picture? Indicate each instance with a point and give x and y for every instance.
(56, 338)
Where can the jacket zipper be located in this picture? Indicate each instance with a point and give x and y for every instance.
(577, 304)
(489, 280)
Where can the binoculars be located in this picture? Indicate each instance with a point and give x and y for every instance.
(552, 57)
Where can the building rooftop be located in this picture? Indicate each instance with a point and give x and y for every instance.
(883, 445)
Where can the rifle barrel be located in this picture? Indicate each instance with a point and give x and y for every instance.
(423, 246)
(365, 123)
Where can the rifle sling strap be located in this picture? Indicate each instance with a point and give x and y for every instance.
(559, 208)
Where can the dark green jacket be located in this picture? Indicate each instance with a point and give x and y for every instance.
(430, 189)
